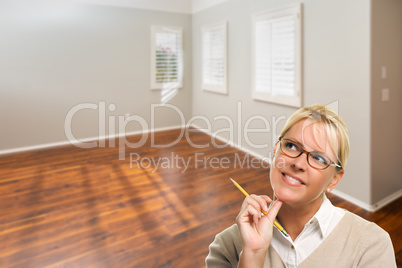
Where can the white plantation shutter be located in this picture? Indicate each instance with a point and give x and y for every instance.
(214, 58)
(277, 56)
(262, 56)
(166, 57)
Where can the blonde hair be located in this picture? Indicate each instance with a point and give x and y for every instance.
(334, 125)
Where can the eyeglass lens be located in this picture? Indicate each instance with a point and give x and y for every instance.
(315, 159)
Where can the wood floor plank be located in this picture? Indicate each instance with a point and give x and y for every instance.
(74, 207)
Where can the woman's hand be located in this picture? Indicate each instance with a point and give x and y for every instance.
(256, 229)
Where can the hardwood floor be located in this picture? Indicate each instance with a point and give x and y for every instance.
(73, 207)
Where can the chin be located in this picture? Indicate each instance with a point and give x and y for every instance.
(285, 195)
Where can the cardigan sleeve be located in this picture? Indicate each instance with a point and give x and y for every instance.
(225, 249)
(376, 248)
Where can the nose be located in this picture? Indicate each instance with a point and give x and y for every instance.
(300, 163)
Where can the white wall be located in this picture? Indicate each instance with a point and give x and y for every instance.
(336, 69)
(56, 56)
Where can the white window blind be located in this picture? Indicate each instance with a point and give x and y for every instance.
(214, 70)
(277, 56)
(166, 57)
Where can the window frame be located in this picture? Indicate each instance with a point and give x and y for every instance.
(221, 89)
(166, 29)
(295, 11)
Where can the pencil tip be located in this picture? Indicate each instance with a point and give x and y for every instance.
(232, 180)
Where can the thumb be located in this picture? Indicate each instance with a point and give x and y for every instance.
(273, 211)
(266, 228)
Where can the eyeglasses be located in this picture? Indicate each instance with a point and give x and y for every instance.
(315, 159)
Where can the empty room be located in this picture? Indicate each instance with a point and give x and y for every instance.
(200, 133)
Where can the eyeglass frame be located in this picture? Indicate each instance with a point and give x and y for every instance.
(302, 151)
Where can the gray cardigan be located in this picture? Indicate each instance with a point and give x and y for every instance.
(354, 242)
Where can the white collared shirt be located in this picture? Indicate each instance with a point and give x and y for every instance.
(313, 234)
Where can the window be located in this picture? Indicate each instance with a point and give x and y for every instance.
(166, 57)
(277, 56)
(214, 58)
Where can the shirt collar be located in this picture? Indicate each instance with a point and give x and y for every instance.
(323, 216)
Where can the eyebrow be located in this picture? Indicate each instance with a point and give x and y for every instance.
(299, 144)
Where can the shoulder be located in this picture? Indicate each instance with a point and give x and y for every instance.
(355, 242)
(225, 249)
(372, 244)
(361, 226)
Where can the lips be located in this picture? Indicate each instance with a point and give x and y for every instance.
(292, 180)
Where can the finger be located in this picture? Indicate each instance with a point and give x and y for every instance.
(251, 200)
(247, 213)
(273, 211)
(266, 227)
(266, 198)
(262, 203)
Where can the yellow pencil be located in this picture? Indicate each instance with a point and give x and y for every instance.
(265, 213)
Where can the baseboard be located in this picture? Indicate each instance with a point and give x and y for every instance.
(352, 200)
(372, 208)
(64, 143)
(385, 201)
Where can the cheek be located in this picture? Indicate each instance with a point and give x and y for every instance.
(321, 180)
(279, 162)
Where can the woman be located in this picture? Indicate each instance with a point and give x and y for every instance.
(309, 160)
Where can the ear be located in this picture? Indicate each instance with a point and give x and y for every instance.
(335, 180)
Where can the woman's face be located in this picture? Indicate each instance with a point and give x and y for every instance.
(293, 180)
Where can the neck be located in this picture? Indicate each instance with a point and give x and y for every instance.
(293, 217)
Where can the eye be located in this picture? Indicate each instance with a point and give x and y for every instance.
(291, 146)
(319, 158)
